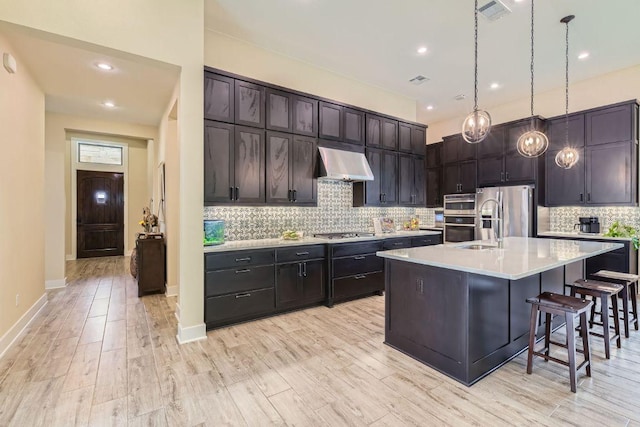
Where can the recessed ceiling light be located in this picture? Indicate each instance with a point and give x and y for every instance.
(429, 107)
(109, 104)
(518, 1)
(583, 55)
(104, 66)
(495, 85)
(422, 50)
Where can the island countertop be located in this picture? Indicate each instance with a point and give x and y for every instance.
(520, 257)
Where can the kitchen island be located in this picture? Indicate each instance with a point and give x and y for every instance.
(461, 308)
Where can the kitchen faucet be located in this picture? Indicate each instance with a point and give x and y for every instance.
(499, 219)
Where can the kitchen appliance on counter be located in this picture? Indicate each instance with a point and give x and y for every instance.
(459, 217)
(588, 224)
(518, 208)
(439, 218)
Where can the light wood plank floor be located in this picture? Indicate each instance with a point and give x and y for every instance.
(99, 355)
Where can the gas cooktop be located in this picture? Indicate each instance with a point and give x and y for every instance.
(344, 235)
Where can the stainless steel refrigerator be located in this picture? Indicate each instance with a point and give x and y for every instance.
(518, 206)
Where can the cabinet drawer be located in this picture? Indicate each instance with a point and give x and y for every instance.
(346, 249)
(239, 279)
(426, 241)
(240, 305)
(357, 264)
(300, 253)
(403, 242)
(238, 259)
(361, 284)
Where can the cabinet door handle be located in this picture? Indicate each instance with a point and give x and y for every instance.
(501, 176)
(359, 257)
(230, 193)
(381, 197)
(247, 259)
(359, 276)
(304, 269)
(246, 270)
(397, 243)
(302, 253)
(507, 175)
(289, 196)
(299, 269)
(588, 197)
(581, 197)
(245, 295)
(295, 195)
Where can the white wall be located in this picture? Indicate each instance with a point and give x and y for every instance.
(237, 56)
(22, 197)
(165, 30)
(621, 85)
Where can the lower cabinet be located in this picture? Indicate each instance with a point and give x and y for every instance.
(356, 270)
(303, 282)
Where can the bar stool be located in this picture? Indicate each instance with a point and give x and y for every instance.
(630, 283)
(550, 303)
(604, 291)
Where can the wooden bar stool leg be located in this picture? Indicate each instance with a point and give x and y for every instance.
(593, 312)
(625, 308)
(616, 319)
(547, 334)
(634, 303)
(571, 347)
(585, 341)
(604, 305)
(533, 327)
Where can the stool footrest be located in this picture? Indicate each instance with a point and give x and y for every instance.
(555, 359)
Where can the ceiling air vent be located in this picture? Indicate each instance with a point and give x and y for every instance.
(418, 80)
(493, 10)
(460, 97)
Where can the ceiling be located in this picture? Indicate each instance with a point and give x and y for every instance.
(376, 41)
(66, 71)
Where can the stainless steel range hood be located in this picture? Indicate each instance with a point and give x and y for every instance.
(344, 165)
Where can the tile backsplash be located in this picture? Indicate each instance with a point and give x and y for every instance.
(334, 213)
(564, 218)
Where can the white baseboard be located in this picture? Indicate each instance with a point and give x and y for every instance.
(172, 291)
(177, 312)
(191, 333)
(70, 257)
(18, 328)
(55, 284)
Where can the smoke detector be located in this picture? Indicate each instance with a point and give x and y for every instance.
(493, 10)
(460, 97)
(418, 80)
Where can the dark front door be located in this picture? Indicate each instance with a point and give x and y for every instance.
(100, 216)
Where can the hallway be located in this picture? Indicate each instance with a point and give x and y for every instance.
(99, 355)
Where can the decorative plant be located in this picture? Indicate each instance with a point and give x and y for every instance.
(620, 230)
(149, 220)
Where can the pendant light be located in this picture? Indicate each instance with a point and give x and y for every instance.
(477, 125)
(532, 143)
(568, 156)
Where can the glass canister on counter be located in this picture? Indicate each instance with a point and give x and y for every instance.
(213, 232)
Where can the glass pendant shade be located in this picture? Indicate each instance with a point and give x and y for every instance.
(476, 126)
(532, 143)
(567, 157)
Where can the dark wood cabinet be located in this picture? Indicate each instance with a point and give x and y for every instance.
(302, 282)
(151, 258)
(219, 179)
(249, 104)
(331, 121)
(218, 98)
(426, 240)
(617, 123)
(411, 188)
(456, 149)
(607, 172)
(354, 126)
(355, 270)
(494, 144)
(411, 139)
(305, 116)
(249, 163)
(434, 189)
(460, 177)
(290, 169)
(383, 190)
(381, 132)
(434, 155)
(279, 111)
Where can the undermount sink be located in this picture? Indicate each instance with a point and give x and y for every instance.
(477, 247)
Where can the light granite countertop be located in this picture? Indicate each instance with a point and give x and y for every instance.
(520, 257)
(237, 245)
(576, 235)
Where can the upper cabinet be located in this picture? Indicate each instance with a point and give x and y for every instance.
(381, 132)
(434, 155)
(433, 172)
(279, 111)
(456, 149)
(383, 190)
(353, 126)
(218, 98)
(411, 188)
(607, 173)
(411, 139)
(331, 121)
(305, 116)
(249, 104)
